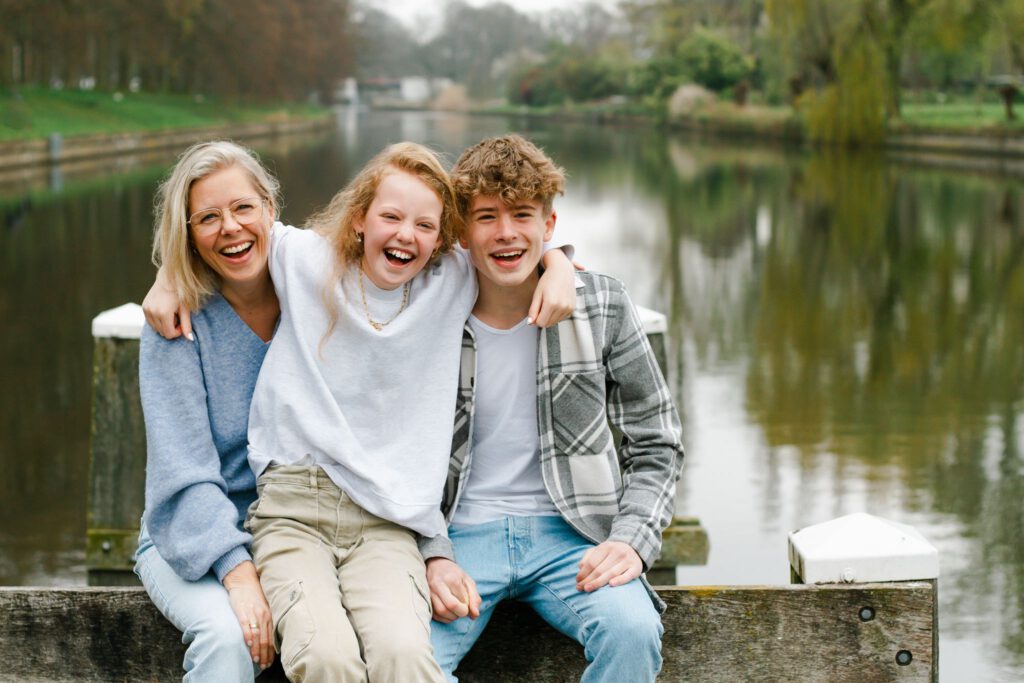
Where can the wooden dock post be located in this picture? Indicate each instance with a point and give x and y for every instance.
(117, 467)
(860, 548)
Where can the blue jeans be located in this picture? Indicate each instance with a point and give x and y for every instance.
(201, 611)
(535, 560)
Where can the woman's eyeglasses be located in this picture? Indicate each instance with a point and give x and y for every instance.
(245, 211)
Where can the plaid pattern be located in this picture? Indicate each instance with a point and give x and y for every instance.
(594, 368)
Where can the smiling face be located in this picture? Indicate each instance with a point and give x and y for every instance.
(400, 231)
(237, 253)
(507, 242)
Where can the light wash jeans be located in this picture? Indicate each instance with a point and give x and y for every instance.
(201, 611)
(535, 560)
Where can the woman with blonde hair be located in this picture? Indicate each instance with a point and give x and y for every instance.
(351, 419)
(214, 215)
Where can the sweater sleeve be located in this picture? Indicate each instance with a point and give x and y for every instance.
(436, 546)
(651, 454)
(190, 518)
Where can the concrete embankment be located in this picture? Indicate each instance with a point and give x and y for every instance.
(59, 149)
(981, 151)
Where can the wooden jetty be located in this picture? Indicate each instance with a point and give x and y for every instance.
(867, 612)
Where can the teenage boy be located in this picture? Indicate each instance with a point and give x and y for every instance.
(542, 507)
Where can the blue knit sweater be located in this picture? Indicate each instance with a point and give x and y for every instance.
(195, 397)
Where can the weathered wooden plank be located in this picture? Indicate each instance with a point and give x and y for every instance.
(726, 633)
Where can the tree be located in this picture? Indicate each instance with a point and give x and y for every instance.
(475, 41)
(710, 59)
(835, 46)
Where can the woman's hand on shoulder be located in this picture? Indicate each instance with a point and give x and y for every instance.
(252, 610)
(555, 297)
(164, 311)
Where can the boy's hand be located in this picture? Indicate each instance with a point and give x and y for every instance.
(611, 563)
(453, 593)
(163, 309)
(555, 297)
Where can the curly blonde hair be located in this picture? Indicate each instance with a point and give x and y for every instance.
(172, 240)
(509, 167)
(337, 221)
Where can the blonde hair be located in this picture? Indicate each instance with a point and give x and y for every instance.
(509, 167)
(173, 249)
(337, 221)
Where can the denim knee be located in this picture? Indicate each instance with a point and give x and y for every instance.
(217, 645)
(635, 632)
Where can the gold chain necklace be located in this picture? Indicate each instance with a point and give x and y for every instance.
(366, 308)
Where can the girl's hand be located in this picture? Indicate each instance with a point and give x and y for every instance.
(555, 297)
(164, 311)
(250, 606)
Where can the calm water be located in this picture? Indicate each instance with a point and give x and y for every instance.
(846, 336)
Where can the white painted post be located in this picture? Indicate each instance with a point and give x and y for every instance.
(655, 327)
(123, 322)
(862, 548)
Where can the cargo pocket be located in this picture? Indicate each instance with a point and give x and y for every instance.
(421, 601)
(291, 614)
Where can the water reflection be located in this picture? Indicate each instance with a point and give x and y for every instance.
(846, 336)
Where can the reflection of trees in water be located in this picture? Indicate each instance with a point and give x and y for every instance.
(880, 318)
(70, 260)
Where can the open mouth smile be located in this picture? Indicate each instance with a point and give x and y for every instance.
(507, 257)
(237, 251)
(398, 257)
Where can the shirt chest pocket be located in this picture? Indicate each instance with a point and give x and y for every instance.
(581, 434)
(578, 415)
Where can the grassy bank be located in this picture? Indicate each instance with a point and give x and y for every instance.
(36, 112)
(953, 118)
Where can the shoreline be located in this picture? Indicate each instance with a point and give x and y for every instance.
(975, 150)
(60, 149)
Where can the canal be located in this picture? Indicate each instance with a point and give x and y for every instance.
(846, 335)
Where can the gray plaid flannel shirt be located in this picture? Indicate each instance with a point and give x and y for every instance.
(593, 368)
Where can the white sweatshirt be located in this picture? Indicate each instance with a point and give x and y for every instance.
(373, 408)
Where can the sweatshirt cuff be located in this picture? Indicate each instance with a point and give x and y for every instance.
(436, 546)
(229, 561)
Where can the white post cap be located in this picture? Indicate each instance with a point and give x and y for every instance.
(861, 548)
(653, 322)
(123, 322)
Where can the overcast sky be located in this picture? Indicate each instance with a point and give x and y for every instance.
(424, 13)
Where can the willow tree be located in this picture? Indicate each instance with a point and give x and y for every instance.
(836, 56)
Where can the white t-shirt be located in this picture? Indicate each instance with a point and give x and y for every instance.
(504, 476)
(373, 408)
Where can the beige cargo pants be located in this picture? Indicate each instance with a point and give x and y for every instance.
(347, 589)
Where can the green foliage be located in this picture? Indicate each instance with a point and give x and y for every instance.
(710, 59)
(568, 74)
(228, 48)
(852, 108)
(38, 112)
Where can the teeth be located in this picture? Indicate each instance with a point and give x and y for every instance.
(508, 254)
(404, 255)
(236, 249)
